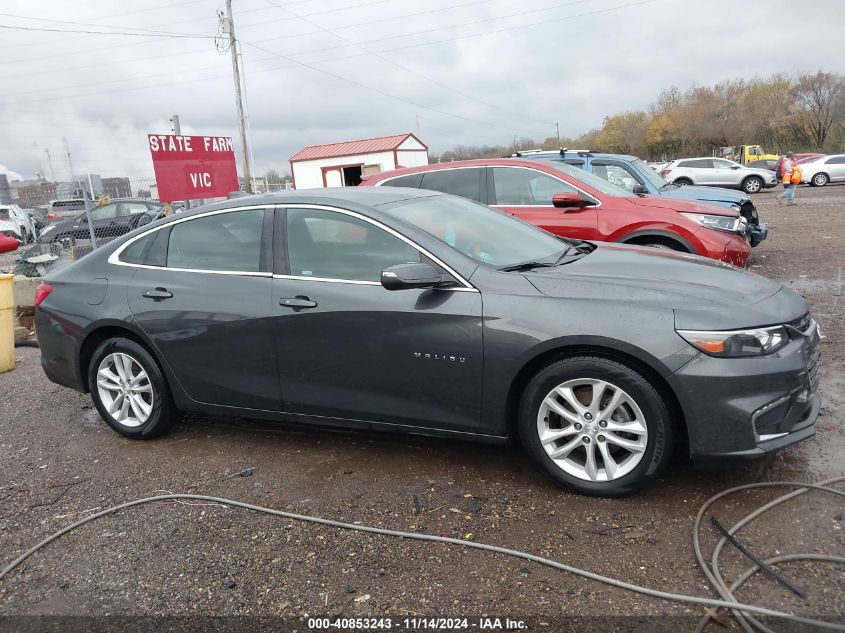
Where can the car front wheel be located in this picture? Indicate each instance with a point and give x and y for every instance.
(753, 184)
(130, 391)
(596, 426)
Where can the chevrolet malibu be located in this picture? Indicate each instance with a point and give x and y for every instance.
(409, 310)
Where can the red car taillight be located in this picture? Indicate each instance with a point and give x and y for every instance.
(53, 216)
(665, 172)
(41, 293)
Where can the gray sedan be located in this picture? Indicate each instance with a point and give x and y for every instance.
(407, 310)
(718, 172)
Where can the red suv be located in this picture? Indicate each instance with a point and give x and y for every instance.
(571, 202)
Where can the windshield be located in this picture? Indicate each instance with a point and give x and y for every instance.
(591, 180)
(486, 235)
(650, 174)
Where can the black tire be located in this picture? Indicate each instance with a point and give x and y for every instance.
(752, 184)
(819, 180)
(682, 181)
(657, 418)
(667, 245)
(163, 414)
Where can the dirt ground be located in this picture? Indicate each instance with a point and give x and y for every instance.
(59, 462)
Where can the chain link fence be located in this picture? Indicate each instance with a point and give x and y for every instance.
(61, 222)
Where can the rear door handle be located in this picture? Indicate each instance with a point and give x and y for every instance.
(297, 302)
(157, 294)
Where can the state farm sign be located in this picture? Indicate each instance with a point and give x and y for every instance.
(191, 167)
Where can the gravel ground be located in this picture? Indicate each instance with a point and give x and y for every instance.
(59, 462)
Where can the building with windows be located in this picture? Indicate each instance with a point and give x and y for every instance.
(343, 164)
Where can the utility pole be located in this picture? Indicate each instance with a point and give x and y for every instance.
(69, 161)
(50, 165)
(557, 127)
(233, 42)
(177, 130)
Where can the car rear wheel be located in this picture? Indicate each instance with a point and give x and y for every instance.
(130, 391)
(596, 426)
(682, 181)
(819, 180)
(752, 184)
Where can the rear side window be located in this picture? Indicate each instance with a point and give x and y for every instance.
(137, 250)
(699, 163)
(459, 182)
(225, 241)
(411, 180)
(836, 160)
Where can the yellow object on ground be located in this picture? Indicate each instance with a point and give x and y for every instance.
(7, 323)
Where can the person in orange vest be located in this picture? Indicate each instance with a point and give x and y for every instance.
(791, 179)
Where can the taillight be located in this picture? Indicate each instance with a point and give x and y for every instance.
(53, 216)
(41, 293)
(665, 172)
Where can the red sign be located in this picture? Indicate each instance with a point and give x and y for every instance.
(191, 167)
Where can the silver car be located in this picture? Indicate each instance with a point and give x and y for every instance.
(718, 172)
(820, 171)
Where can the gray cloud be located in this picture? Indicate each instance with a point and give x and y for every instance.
(105, 93)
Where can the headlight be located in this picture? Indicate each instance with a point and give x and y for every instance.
(47, 229)
(728, 224)
(738, 343)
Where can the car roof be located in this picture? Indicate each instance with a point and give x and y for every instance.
(366, 196)
(475, 162)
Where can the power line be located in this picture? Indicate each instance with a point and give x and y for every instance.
(343, 57)
(100, 26)
(407, 69)
(155, 34)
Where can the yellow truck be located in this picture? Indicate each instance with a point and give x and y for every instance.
(744, 154)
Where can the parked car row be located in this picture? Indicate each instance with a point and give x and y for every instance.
(718, 172)
(571, 202)
(821, 170)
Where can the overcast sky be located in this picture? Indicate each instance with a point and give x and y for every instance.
(453, 71)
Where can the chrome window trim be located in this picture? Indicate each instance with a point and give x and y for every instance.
(467, 287)
(114, 258)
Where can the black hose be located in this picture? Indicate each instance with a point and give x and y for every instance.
(27, 342)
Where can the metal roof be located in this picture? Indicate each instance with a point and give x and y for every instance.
(350, 148)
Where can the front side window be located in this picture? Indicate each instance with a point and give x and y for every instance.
(616, 174)
(330, 245)
(517, 186)
(458, 182)
(226, 241)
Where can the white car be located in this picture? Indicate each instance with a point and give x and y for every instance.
(17, 223)
(718, 172)
(820, 171)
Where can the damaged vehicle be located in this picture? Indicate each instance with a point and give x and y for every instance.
(408, 310)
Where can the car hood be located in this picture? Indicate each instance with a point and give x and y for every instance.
(683, 206)
(705, 194)
(704, 293)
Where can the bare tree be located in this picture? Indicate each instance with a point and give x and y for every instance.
(819, 103)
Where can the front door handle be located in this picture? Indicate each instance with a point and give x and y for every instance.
(297, 302)
(157, 294)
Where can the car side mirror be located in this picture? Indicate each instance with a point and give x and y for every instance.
(570, 200)
(405, 276)
(640, 190)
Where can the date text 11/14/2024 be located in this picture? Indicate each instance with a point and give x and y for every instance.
(416, 624)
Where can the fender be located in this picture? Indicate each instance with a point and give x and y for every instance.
(659, 233)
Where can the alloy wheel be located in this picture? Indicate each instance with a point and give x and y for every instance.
(820, 180)
(125, 389)
(753, 185)
(592, 429)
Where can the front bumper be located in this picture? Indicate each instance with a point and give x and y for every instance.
(757, 233)
(747, 407)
